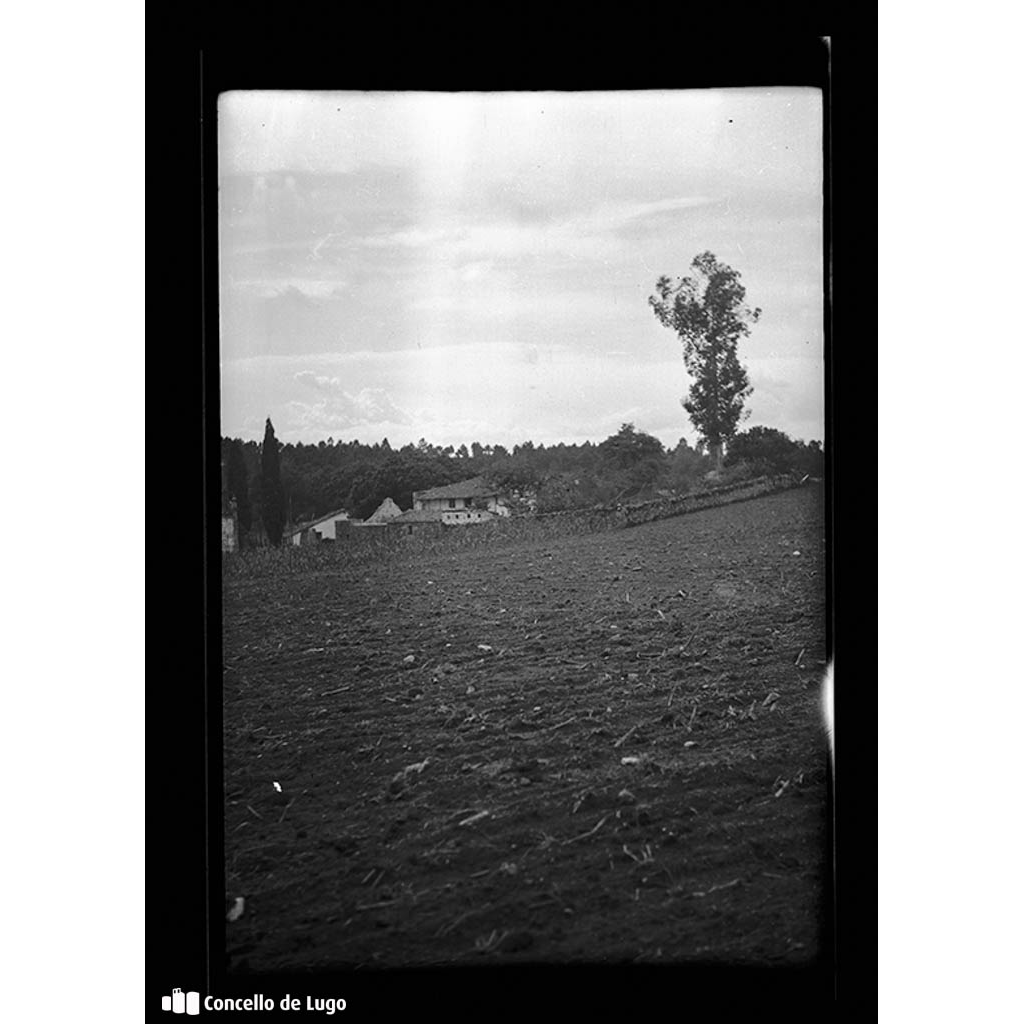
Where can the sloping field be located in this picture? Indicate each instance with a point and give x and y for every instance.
(599, 748)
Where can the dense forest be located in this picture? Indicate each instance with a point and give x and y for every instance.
(628, 466)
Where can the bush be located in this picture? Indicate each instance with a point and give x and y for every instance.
(768, 450)
(745, 470)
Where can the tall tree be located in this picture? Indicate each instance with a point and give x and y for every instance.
(272, 491)
(238, 488)
(710, 316)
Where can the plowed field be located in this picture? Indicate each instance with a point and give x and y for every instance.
(604, 748)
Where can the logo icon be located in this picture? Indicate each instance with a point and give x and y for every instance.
(181, 1002)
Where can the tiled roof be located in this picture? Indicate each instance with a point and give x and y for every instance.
(472, 488)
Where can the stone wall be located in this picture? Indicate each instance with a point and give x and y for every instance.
(365, 545)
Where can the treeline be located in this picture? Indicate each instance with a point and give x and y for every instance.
(628, 466)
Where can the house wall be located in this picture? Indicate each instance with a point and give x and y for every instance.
(455, 517)
(329, 530)
(492, 504)
(439, 504)
(418, 529)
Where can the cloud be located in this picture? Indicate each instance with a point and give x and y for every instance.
(412, 238)
(481, 237)
(314, 214)
(317, 381)
(440, 266)
(337, 409)
(502, 392)
(297, 287)
(374, 404)
(616, 215)
(474, 271)
(499, 393)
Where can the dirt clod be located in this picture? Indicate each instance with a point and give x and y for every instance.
(509, 841)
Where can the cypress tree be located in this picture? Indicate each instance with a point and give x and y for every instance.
(272, 490)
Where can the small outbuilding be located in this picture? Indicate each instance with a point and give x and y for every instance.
(324, 528)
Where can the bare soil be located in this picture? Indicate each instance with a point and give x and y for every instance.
(605, 748)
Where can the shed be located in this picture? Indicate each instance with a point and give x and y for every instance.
(323, 528)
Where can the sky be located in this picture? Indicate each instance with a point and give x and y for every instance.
(469, 267)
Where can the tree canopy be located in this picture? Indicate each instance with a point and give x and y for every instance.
(632, 460)
(630, 446)
(771, 451)
(708, 312)
(630, 465)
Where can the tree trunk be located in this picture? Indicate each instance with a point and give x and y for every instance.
(716, 454)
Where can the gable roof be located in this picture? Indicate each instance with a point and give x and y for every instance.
(475, 487)
(386, 511)
(339, 514)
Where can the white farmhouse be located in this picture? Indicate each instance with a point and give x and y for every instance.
(469, 501)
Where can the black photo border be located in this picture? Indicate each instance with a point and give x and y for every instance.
(184, 915)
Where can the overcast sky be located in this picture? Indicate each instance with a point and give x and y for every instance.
(475, 267)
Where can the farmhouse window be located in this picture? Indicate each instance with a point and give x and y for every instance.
(451, 503)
